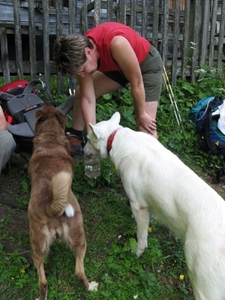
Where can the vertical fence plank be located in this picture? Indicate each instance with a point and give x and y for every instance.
(71, 15)
(196, 22)
(221, 40)
(83, 18)
(5, 55)
(205, 32)
(110, 6)
(155, 29)
(58, 18)
(176, 44)
(58, 34)
(18, 40)
(72, 10)
(122, 11)
(97, 12)
(144, 19)
(32, 40)
(165, 32)
(46, 45)
(133, 14)
(212, 33)
(186, 45)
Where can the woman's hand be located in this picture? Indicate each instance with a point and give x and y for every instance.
(146, 123)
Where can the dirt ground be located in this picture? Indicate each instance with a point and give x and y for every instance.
(11, 194)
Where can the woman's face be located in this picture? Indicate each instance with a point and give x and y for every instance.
(91, 64)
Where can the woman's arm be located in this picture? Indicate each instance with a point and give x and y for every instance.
(126, 58)
(87, 100)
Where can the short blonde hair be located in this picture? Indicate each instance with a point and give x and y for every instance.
(69, 54)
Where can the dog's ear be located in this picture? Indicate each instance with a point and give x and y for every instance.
(61, 118)
(115, 118)
(39, 114)
(96, 131)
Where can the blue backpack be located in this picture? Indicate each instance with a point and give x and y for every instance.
(212, 139)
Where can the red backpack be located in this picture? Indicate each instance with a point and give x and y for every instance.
(20, 103)
(14, 88)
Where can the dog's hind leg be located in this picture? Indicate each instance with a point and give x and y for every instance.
(40, 243)
(80, 251)
(203, 274)
(42, 281)
(77, 242)
(141, 216)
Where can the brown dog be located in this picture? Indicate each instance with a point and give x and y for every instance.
(53, 209)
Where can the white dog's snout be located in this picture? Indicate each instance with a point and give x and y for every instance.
(88, 149)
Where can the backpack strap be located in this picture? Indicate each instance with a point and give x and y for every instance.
(208, 123)
(30, 86)
(22, 130)
(6, 96)
(217, 101)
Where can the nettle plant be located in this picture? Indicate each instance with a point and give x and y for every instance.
(121, 101)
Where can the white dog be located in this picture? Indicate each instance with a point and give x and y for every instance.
(157, 180)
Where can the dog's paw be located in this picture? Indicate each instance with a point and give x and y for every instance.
(93, 286)
(140, 251)
(69, 211)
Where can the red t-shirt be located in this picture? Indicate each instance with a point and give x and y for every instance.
(102, 36)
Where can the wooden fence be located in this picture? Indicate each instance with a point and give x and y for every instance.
(188, 33)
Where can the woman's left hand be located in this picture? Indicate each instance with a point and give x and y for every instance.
(147, 124)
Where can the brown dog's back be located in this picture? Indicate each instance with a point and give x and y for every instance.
(50, 167)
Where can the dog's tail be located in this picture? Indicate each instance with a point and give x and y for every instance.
(61, 188)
